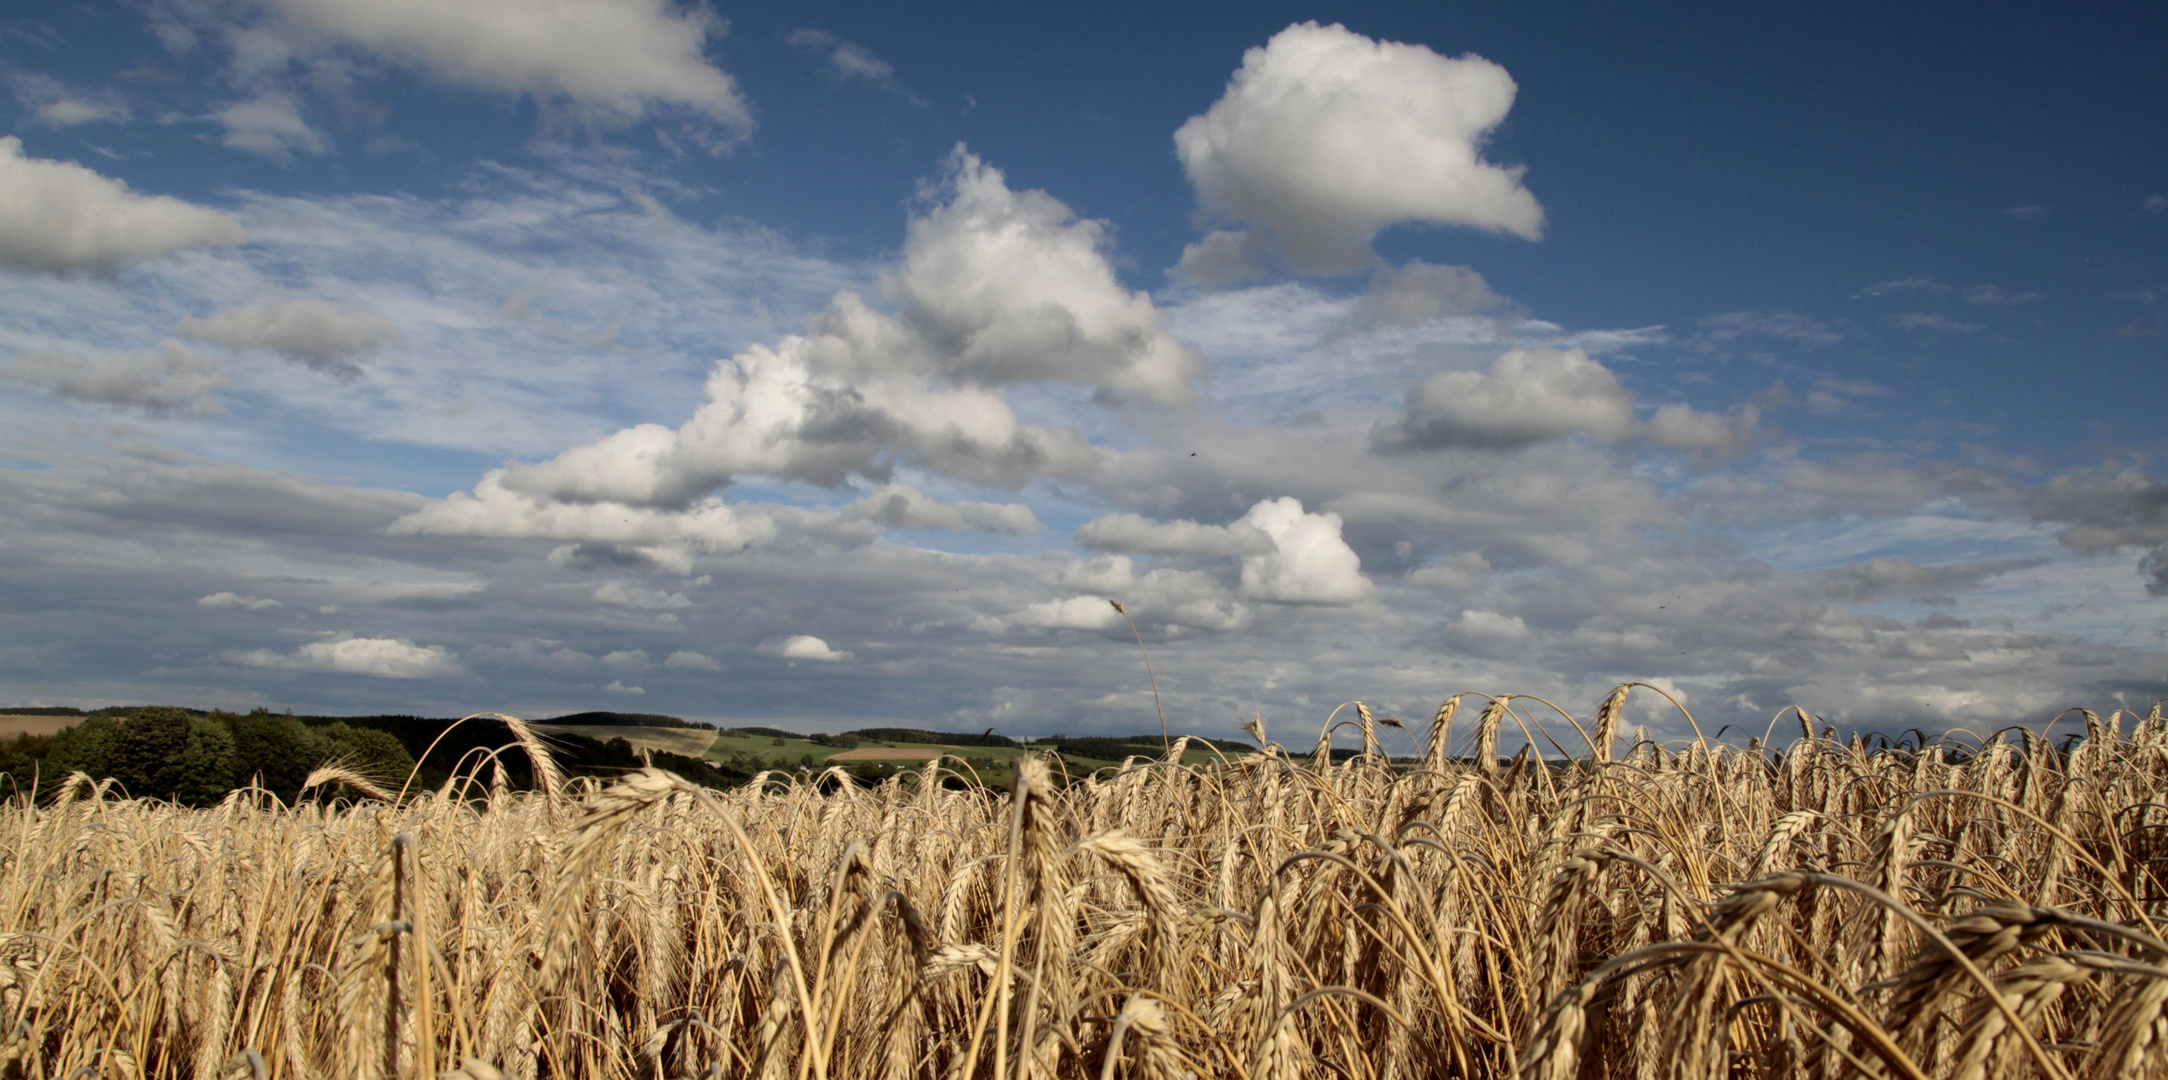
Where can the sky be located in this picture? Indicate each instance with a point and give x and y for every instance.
(833, 365)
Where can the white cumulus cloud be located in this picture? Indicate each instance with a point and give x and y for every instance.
(57, 217)
(802, 647)
(383, 658)
(1007, 286)
(1310, 562)
(688, 660)
(995, 287)
(1324, 137)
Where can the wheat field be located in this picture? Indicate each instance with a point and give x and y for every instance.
(1970, 908)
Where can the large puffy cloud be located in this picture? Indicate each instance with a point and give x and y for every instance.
(311, 332)
(1324, 137)
(57, 217)
(1528, 396)
(779, 412)
(383, 658)
(1006, 287)
(166, 380)
(994, 287)
(610, 60)
(1310, 562)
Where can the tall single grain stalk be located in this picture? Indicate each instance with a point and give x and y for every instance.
(1164, 742)
(1966, 908)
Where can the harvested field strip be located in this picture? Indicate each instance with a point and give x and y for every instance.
(1830, 908)
(691, 742)
(896, 753)
(12, 726)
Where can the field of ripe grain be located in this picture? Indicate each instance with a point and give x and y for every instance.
(1822, 908)
(12, 726)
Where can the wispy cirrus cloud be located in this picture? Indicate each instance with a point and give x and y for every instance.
(1934, 320)
(852, 62)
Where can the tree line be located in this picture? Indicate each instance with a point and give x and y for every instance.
(161, 752)
(195, 758)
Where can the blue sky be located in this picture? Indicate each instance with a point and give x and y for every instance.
(835, 365)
